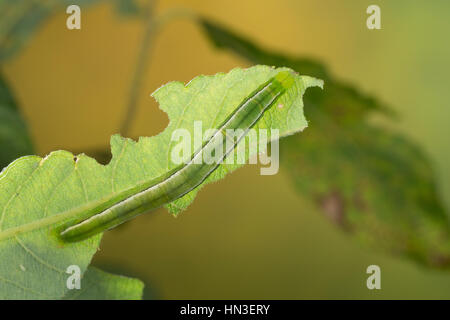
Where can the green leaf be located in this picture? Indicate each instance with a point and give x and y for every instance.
(38, 195)
(19, 20)
(14, 138)
(374, 184)
(99, 285)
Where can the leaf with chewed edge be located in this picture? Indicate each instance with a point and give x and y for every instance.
(39, 195)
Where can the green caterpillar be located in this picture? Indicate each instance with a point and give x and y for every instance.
(188, 176)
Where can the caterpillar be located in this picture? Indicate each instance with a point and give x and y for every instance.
(191, 174)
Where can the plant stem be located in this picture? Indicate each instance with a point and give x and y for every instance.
(140, 68)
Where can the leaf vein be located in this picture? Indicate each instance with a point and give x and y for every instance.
(181, 118)
(14, 195)
(36, 257)
(117, 163)
(25, 288)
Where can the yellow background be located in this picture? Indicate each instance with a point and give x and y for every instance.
(249, 236)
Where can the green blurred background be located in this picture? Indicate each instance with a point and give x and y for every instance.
(249, 236)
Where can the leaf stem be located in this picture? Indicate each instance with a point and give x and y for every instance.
(153, 24)
(140, 68)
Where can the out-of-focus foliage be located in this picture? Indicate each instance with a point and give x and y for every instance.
(14, 138)
(375, 184)
(100, 285)
(20, 19)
